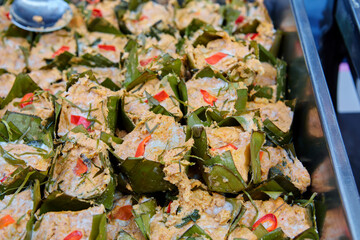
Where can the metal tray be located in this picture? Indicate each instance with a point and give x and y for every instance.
(317, 137)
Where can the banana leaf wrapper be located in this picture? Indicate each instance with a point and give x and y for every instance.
(209, 34)
(36, 204)
(210, 73)
(124, 123)
(66, 59)
(61, 61)
(27, 127)
(75, 77)
(281, 69)
(14, 31)
(23, 84)
(120, 11)
(16, 126)
(310, 233)
(143, 213)
(274, 187)
(93, 60)
(159, 28)
(36, 199)
(122, 8)
(256, 142)
(124, 236)
(108, 83)
(219, 172)
(263, 234)
(236, 214)
(21, 177)
(195, 232)
(274, 50)
(133, 76)
(145, 176)
(98, 228)
(276, 135)
(317, 210)
(100, 24)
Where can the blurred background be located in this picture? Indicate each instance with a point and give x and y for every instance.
(339, 70)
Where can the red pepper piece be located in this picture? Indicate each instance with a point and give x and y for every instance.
(240, 19)
(27, 100)
(214, 59)
(147, 61)
(7, 16)
(141, 148)
(224, 147)
(252, 35)
(208, 98)
(3, 179)
(77, 120)
(123, 213)
(107, 47)
(60, 51)
(268, 218)
(261, 154)
(143, 17)
(96, 13)
(75, 235)
(93, 1)
(80, 167)
(161, 96)
(168, 210)
(6, 221)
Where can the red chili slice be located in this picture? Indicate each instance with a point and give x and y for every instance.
(75, 235)
(268, 218)
(147, 61)
(141, 148)
(80, 167)
(215, 58)
(78, 120)
(61, 50)
(143, 17)
(27, 99)
(123, 213)
(3, 179)
(107, 47)
(252, 35)
(261, 154)
(96, 13)
(168, 210)
(7, 16)
(6, 221)
(93, 1)
(208, 98)
(224, 147)
(240, 19)
(161, 96)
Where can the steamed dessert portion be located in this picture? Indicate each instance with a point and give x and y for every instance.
(148, 120)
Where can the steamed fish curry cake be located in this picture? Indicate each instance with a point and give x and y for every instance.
(147, 120)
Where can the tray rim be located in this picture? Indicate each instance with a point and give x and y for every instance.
(344, 177)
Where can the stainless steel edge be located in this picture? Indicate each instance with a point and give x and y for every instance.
(344, 176)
